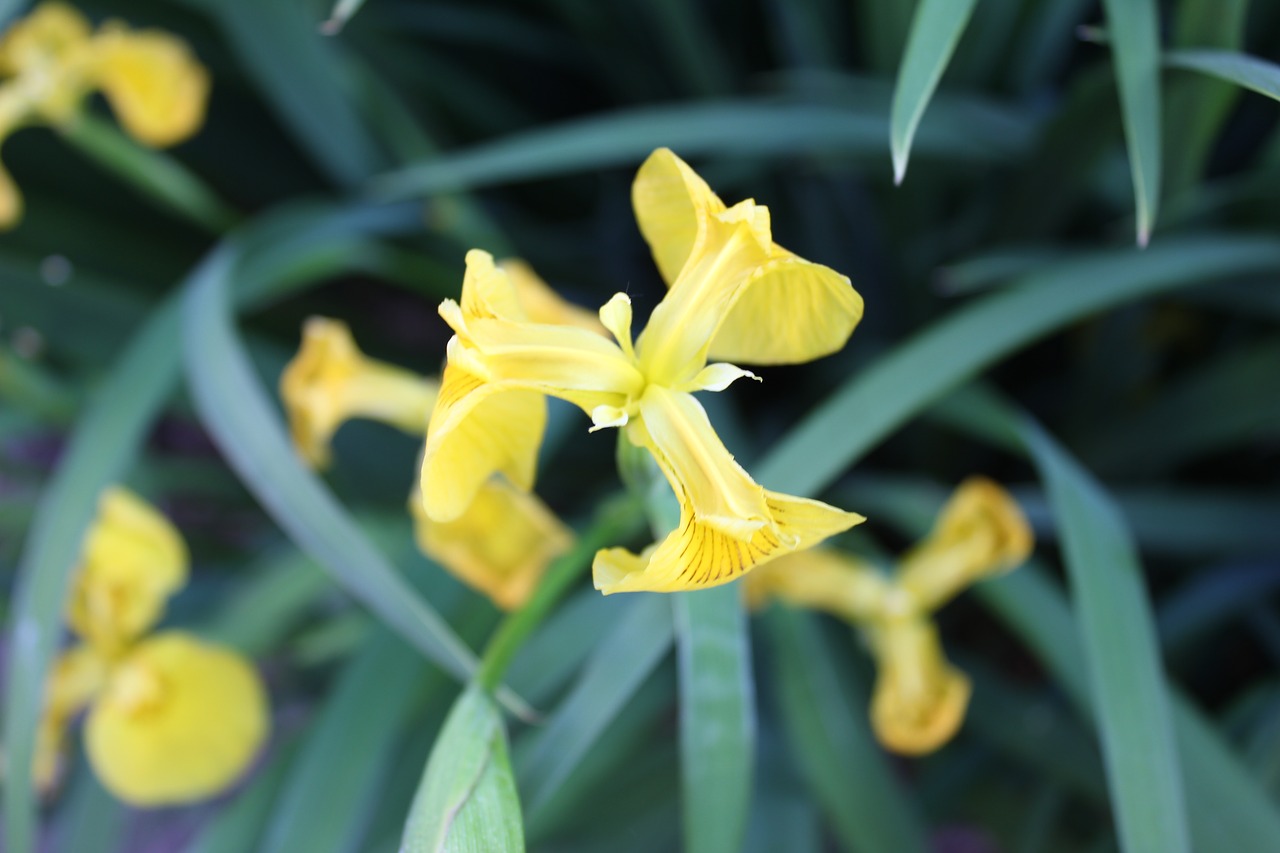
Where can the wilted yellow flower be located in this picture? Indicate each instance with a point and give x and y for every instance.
(920, 699)
(179, 720)
(170, 719)
(503, 542)
(133, 561)
(331, 381)
(733, 292)
(51, 60)
(500, 545)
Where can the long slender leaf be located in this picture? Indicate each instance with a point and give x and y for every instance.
(829, 732)
(935, 30)
(723, 127)
(1248, 72)
(1124, 661)
(1135, 42)
(467, 800)
(335, 780)
(235, 408)
(879, 399)
(717, 718)
(240, 824)
(620, 664)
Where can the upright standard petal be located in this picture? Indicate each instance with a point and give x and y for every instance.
(728, 523)
(156, 86)
(501, 545)
(980, 533)
(541, 304)
(179, 721)
(920, 699)
(133, 561)
(787, 311)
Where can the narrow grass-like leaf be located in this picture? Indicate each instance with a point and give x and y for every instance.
(343, 11)
(830, 735)
(276, 592)
(723, 127)
(621, 662)
(1248, 72)
(335, 780)
(94, 820)
(881, 398)
(935, 30)
(1124, 661)
(1135, 44)
(151, 172)
(467, 799)
(236, 410)
(717, 718)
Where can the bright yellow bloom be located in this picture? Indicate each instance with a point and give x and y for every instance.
(170, 719)
(51, 61)
(331, 381)
(505, 539)
(501, 545)
(179, 720)
(733, 290)
(920, 699)
(133, 561)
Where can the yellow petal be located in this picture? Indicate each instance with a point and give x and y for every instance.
(180, 720)
(791, 311)
(981, 532)
(541, 304)
(478, 429)
(52, 31)
(154, 83)
(728, 523)
(501, 545)
(330, 381)
(669, 200)
(76, 677)
(920, 699)
(133, 561)
(821, 579)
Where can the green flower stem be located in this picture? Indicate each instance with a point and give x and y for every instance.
(153, 173)
(617, 520)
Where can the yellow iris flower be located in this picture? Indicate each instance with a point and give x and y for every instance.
(170, 719)
(920, 699)
(734, 293)
(51, 61)
(504, 541)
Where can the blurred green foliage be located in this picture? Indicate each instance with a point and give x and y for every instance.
(1125, 681)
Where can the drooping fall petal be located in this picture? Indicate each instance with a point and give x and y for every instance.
(158, 89)
(920, 699)
(179, 720)
(821, 579)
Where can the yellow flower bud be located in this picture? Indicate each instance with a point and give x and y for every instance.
(133, 561)
(501, 545)
(154, 83)
(330, 381)
(980, 533)
(178, 721)
(920, 699)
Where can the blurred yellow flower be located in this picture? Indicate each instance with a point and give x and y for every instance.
(920, 699)
(132, 562)
(733, 292)
(170, 719)
(331, 381)
(505, 539)
(51, 60)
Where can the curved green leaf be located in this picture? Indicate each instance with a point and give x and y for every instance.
(1248, 72)
(935, 30)
(467, 800)
(1135, 43)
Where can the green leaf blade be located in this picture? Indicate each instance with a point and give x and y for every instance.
(717, 718)
(1247, 72)
(935, 31)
